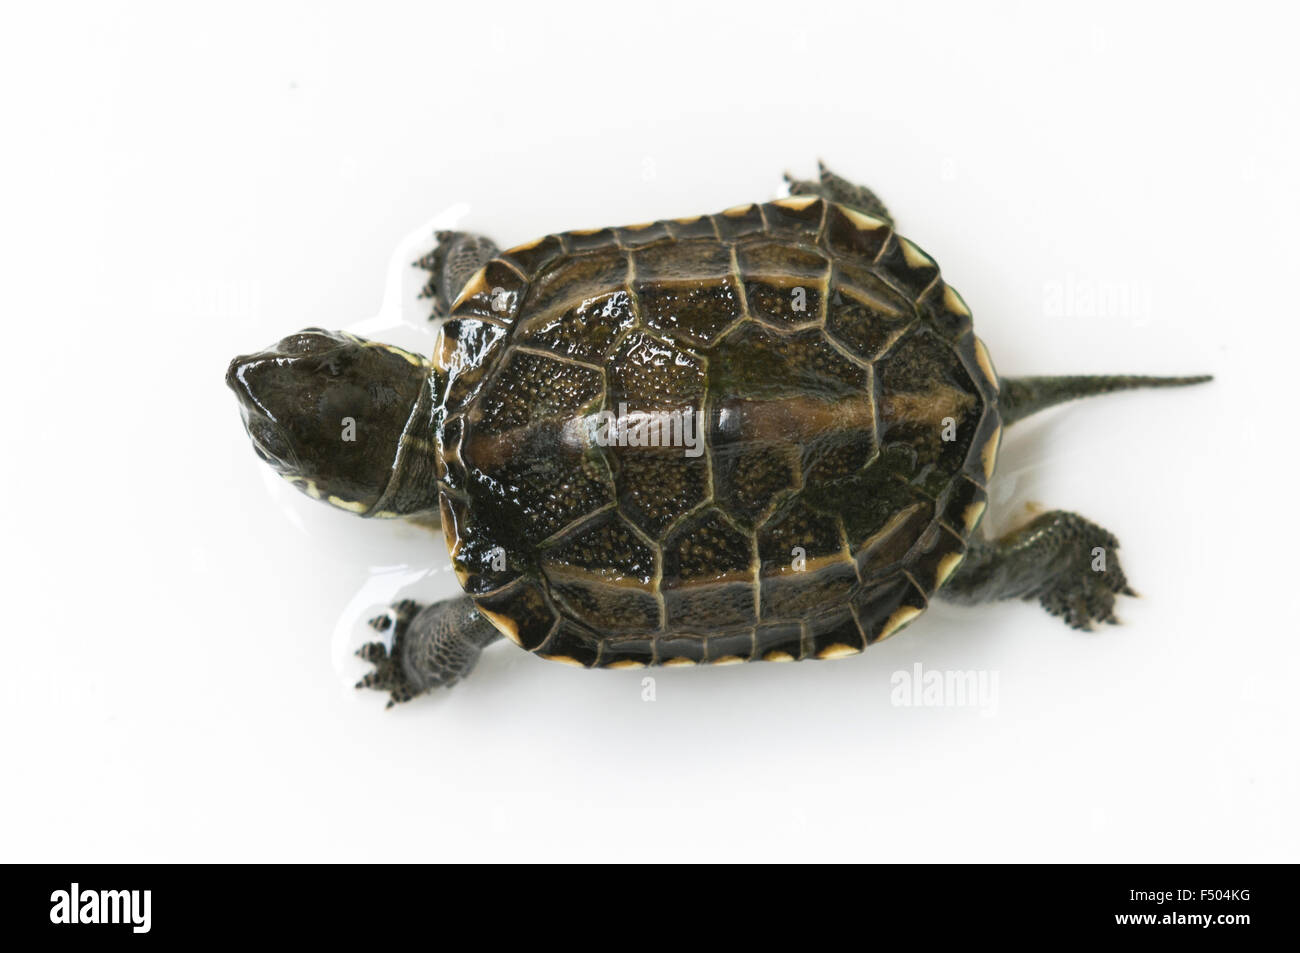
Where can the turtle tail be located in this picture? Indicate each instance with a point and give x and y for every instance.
(1021, 396)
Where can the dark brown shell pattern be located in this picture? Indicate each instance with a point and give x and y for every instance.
(847, 428)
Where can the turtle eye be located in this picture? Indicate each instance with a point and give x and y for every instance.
(331, 364)
(268, 441)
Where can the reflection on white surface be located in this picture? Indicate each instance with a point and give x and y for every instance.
(383, 586)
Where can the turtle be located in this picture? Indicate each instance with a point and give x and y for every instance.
(762, 434)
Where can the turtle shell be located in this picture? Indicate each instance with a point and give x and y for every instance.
(842, 410)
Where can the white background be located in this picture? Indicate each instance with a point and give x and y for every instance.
(179, 187)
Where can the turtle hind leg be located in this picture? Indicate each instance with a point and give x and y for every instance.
(451, 264)
(432, 647)
(1070, 565)
(834, 188)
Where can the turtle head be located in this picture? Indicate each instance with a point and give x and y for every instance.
(329, 410)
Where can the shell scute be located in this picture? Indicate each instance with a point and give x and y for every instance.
(494, 294)
(728, 648)
(949, 314)
(708, 573)
(882, 609)
(695, 296)
(637, 236)
(570, 281)
(464, 352)
(680, 648)
(853, 236)
(908, 268)
(648, 373)
(535, 387)
(784, 287)
(696, 228)
(804, 562)
(866, 315)
(531, 258)
(602, 574)
(779, 642)
(581, 331)
(835, 634)
(590, 239)
(798, 217)
(739, 222)
(751, 477)
(522, 611)
(656, 487)
(572, 644)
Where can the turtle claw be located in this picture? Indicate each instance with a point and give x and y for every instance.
(398, 614)
(389, 674)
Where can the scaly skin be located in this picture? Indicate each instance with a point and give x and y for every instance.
(1051, 560)
(433, 647)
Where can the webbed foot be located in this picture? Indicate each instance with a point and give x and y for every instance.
(1083, 591)
(389, 675)
(432, 647)
(451, 264)
(1069, 564)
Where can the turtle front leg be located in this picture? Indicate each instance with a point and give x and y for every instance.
(834, 188)
(1067, 563)
(451, 264)
(433, 646)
